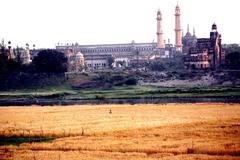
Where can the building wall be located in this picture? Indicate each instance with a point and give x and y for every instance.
(112, 49)
(199, 60)
(96, 63)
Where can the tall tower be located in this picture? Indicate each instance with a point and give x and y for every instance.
(216, 44)
(178, 30)
(160, 43)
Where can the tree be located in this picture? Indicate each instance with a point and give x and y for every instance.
(231, 48)
(110, 60)
(50, 61)
(8, 69)
(233, 60)
(156, 66)
(8, 66)
(168, 64)
(131, 81)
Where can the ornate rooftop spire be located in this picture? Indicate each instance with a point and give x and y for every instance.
(214, 26)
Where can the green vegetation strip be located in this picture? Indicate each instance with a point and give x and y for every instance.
(19, 140)
(120, 92)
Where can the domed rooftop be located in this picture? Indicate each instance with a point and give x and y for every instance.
(79, 55)
(188, 34)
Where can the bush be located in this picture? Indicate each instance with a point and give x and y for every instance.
(233, 61)
(100, 97)
(115, 79)
(166, 64)
(156, 66)
(131, 81)
(26, 80)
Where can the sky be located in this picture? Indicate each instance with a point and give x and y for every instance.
(46, 23)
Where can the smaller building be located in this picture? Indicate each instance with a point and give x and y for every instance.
(25, 57)
(75, 61)
(120, 62)
(207, 53)
(198, 59)
(96, 61)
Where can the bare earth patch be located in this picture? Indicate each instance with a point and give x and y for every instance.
(163, 131)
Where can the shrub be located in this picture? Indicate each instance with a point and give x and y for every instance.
(131, 81)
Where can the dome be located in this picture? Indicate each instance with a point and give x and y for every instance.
(79, 59)
(79, 55)
(188, 34)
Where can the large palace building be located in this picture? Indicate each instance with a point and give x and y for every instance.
(204, 53)
(96, 56)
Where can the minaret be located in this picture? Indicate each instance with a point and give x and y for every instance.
(178, 30)
(160, 43)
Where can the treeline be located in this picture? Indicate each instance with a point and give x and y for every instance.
(168, 64)
(232, 56)
(47, 68)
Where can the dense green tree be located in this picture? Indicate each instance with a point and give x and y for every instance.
(232, 56)
(8, 66)
(231, 48)
(233, 60)
(156, 66)
(8, 70)
(50, 61)
(168, 64)
(42, 72)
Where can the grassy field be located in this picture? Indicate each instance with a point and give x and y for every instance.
(61, 94)
(164, 131)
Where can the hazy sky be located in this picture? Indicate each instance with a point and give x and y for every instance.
(47, 22)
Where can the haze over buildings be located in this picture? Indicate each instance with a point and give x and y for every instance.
(45, 23)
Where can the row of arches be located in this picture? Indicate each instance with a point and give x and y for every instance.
(107, 50)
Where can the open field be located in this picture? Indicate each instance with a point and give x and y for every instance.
(163, 131)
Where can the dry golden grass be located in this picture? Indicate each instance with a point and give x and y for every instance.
(170, 131)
